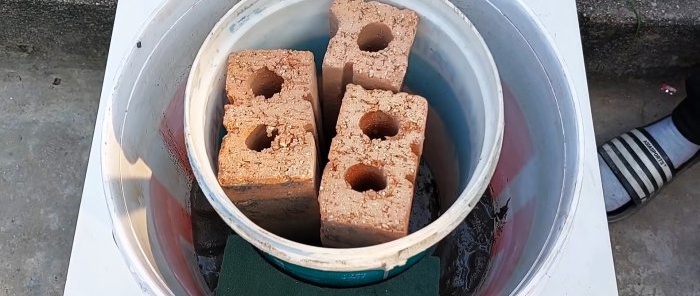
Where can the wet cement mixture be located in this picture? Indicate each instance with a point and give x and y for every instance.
(465, 253)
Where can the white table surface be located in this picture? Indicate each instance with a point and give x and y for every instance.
(585, 266)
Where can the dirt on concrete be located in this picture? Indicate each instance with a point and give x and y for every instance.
(77, 29)
(639, 37)
(46, 131)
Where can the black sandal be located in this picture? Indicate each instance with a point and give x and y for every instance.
(641, 166)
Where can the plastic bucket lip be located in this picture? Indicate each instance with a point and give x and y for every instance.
(384, 256)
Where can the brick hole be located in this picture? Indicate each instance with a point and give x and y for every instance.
(364, 178)
(375, 37)
(379, 125)
(259, 140)
(266, 83)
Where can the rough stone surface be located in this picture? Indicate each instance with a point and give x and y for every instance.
(267, 144)
(370, 47)
(640, 37)
(655, 250)
(367, 187)
(256, 76)
(46, 131)
(79, 29)
(268, 165)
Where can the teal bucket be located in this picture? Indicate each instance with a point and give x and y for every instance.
(343, 279)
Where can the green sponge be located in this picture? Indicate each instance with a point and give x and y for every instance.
(245, 272)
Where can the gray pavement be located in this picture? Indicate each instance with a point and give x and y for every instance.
(639, 37)
(46, 134)
(79, 29)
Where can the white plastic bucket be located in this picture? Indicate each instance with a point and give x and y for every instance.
(146, 175)
(457, 76)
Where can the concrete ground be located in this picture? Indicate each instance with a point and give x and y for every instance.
(47, 115)
(639, 37)
(656, 250)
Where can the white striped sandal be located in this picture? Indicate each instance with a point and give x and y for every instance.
(641, 166)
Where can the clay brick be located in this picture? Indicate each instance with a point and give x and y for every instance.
(370, 47)
(256, 76)
(268, 166)
(367, 187)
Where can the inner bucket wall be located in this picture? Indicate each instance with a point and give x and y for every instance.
(148, 178)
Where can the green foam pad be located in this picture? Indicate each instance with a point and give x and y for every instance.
(245, 272)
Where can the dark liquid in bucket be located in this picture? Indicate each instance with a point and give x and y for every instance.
(465, 253)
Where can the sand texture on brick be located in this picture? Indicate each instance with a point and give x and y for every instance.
(378, 145)
(256, 76)
(370, 47)
(268, 166)
(282, 133)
